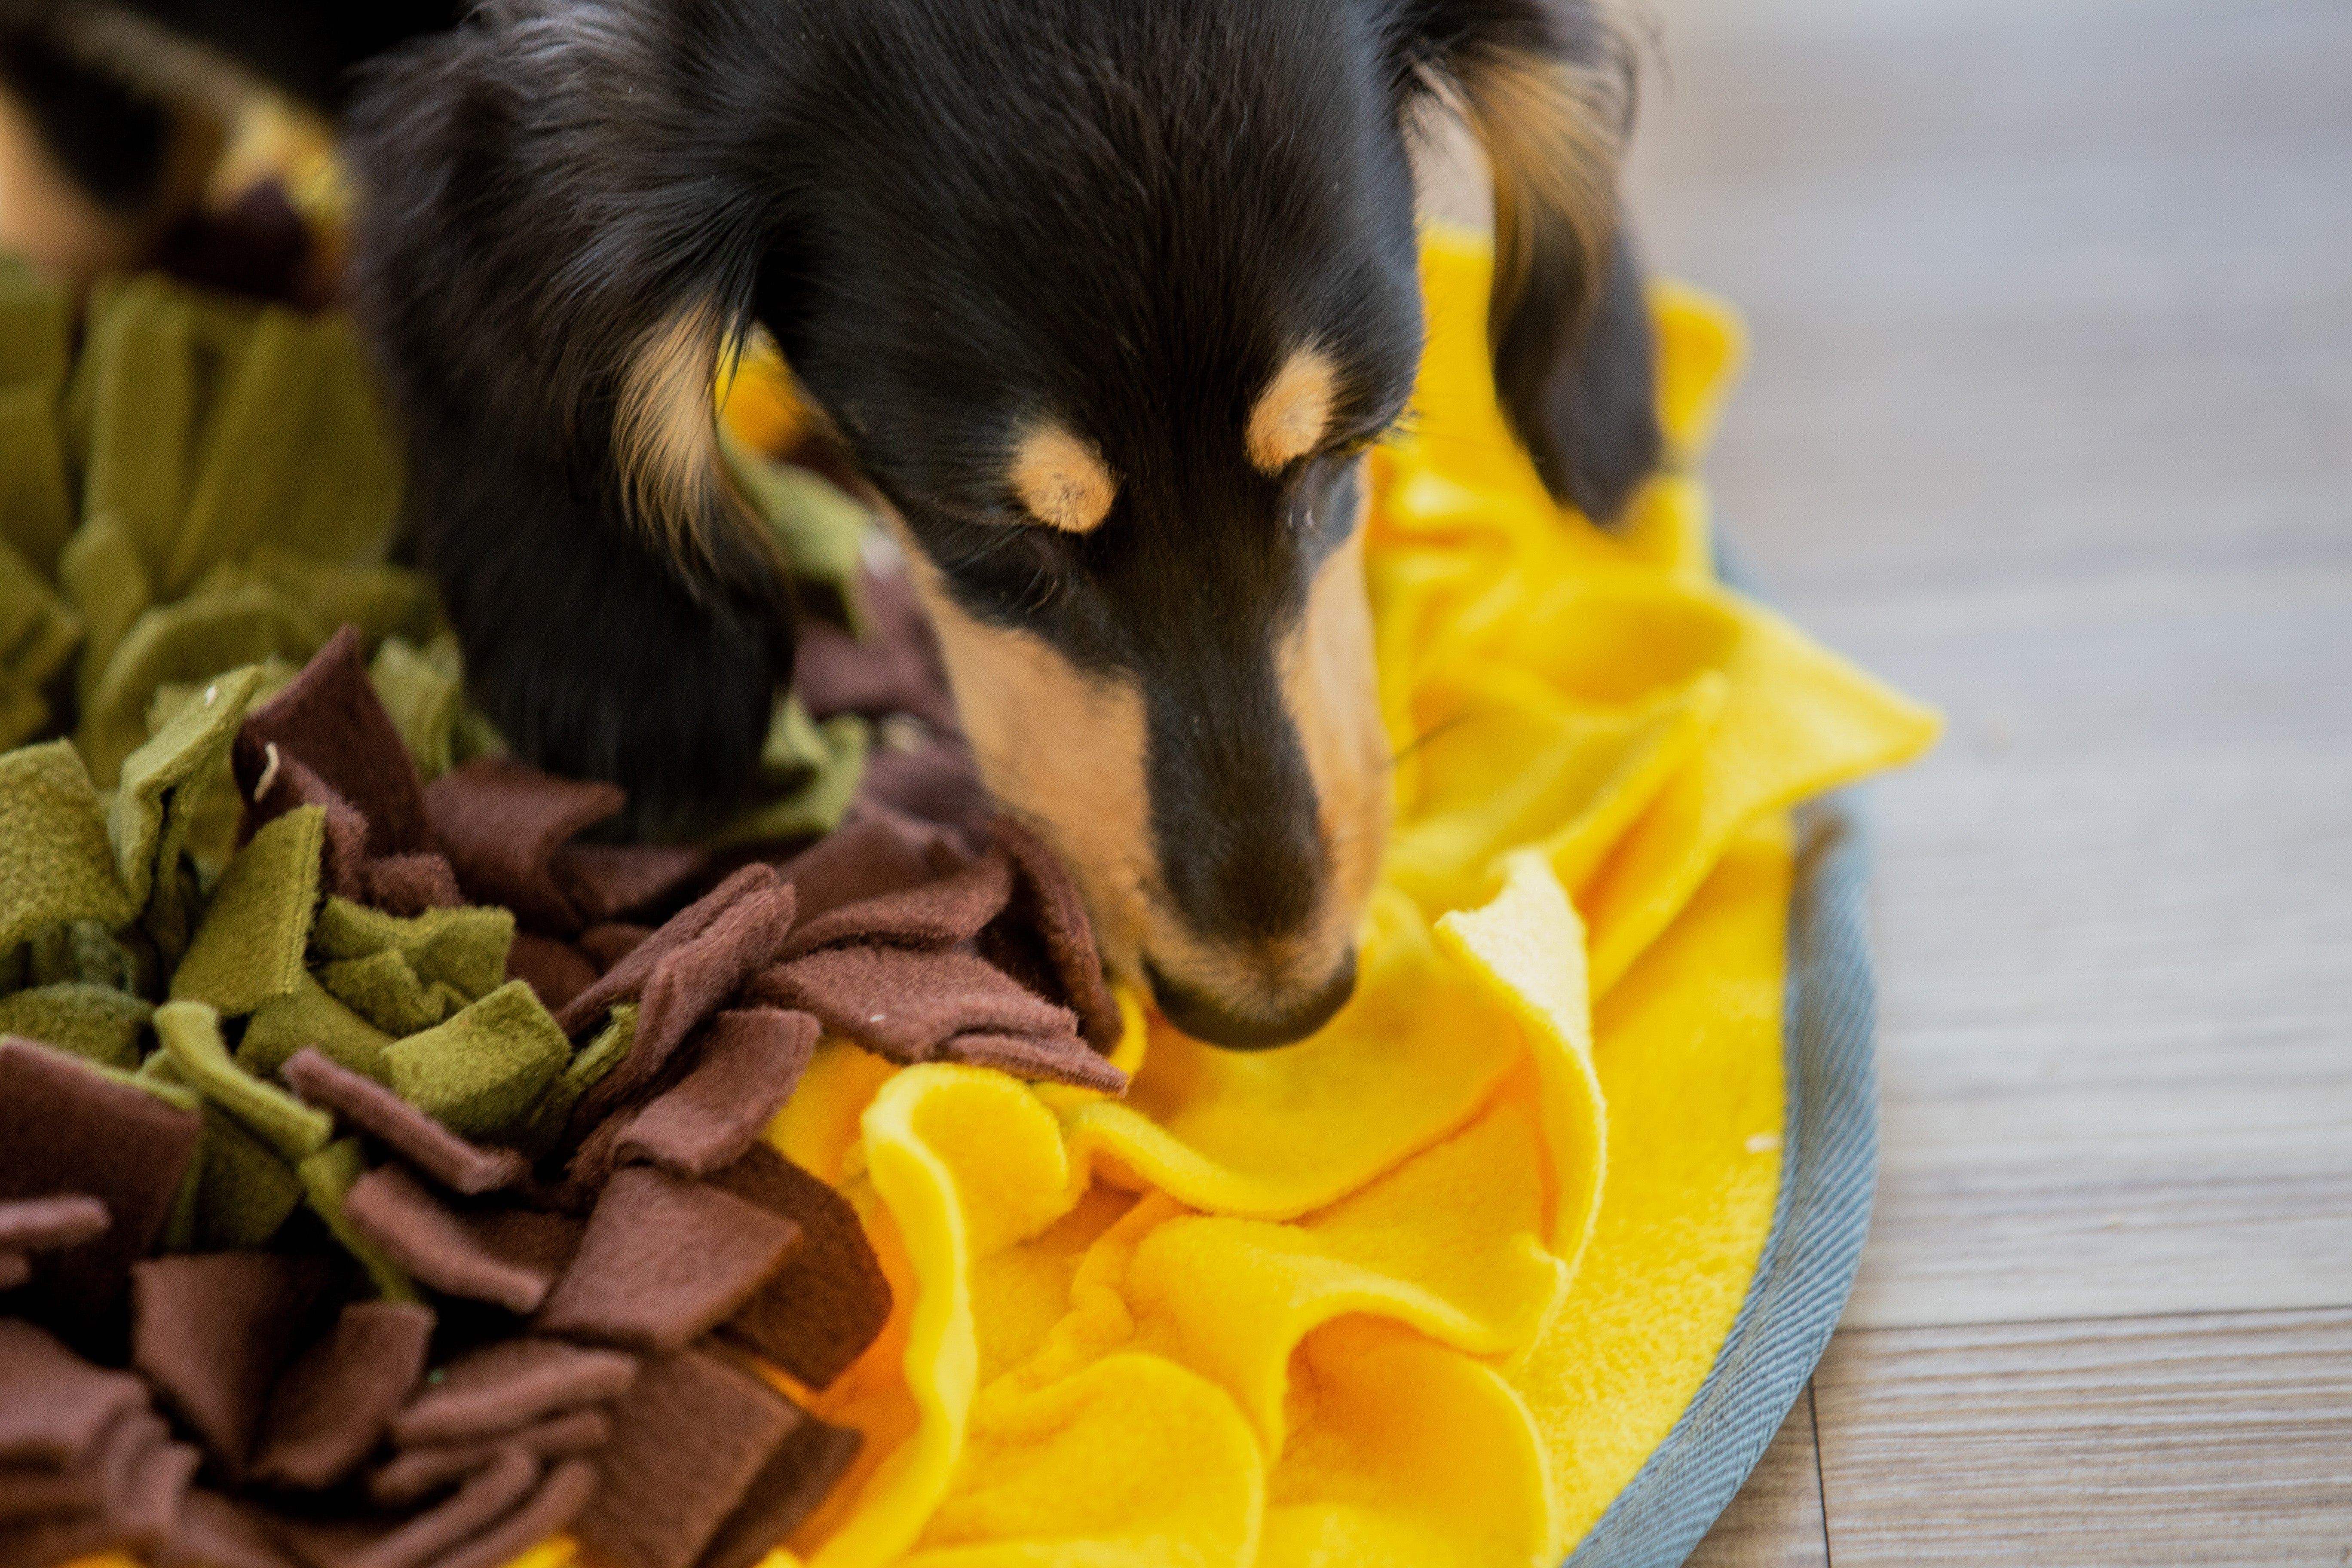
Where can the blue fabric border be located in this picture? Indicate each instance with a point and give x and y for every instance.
(1829, 1164)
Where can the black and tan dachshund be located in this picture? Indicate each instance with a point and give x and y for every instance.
(1105, 298)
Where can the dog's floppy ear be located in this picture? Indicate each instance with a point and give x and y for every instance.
(555, 246)
(1548, 87)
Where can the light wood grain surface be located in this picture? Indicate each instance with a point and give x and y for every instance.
(2162, 1440)
(1776, 1521)
(2051, 422)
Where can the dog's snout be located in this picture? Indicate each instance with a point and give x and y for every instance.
(1259, 1023)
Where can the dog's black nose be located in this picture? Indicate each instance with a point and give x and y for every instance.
(1209, 1018)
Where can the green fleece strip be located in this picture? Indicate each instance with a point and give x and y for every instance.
(464, 947)
(249, 950)
(190, 1033)
(97, 1023)
(422, 700)
(481, 1073)
(88, 952)
(36, 331)
(326, 1177)
(57, 863)
(296, 456)
(39, 633)
(310, 1016)
(23, 714)
(143, 426)
(245, 1190)
(384, 991)
(820, 797)
(35, 508)
(162, 779)
(598, 1056)
(820, 529)
(382, 600)
(192, 640)
(104, 579)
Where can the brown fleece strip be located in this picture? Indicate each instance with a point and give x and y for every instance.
(15, 1270)
(751, 1062)
(938, 781)
(820, 1311)
(628, 977)
(46, 1225)
(415, 1230)
(212, 1531)
(457, 1164)
(1046, 903)
(508, 1385)
(294, 784)
(408, 884)
(1028, 1058)
(787, 1490)
(329, 719)
(936, 914)
(554, 1506)
(417, 1473)
(333, 1403)
(606, 945)
(404, 884)
(903, 1004)
(143, 1489)
(37, 1491)
(897, 671)
(605, 881)
(29, 1494)
(685, 987)
(492, 1493)
(68, 1128)
(501, 823)
(58, 1406)
(556, 970)
(869, 857)
(664, 1261)
(420, 1536)
(149, 1503)
(45, 1543)
(688, 1442)
(210, 1332)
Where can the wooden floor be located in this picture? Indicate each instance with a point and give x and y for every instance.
(2051, 422)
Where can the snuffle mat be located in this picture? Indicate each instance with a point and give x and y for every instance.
(1526, 1254)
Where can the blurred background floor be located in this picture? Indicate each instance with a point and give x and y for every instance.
(2051, 423)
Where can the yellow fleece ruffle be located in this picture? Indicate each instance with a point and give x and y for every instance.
(1428, 1287)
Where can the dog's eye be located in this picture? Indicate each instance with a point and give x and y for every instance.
(1323, 496)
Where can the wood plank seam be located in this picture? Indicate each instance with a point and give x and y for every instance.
(1821, 1486)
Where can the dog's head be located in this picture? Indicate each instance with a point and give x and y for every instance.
(1107, 297)
(1109, 300)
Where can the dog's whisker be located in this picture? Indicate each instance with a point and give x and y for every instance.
(1469, 443)
(1423, 739)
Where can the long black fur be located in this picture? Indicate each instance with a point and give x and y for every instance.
(539, 189)
(954, 216)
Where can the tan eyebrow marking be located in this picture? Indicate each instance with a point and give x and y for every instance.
(1294, 413)
(1063, 480)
